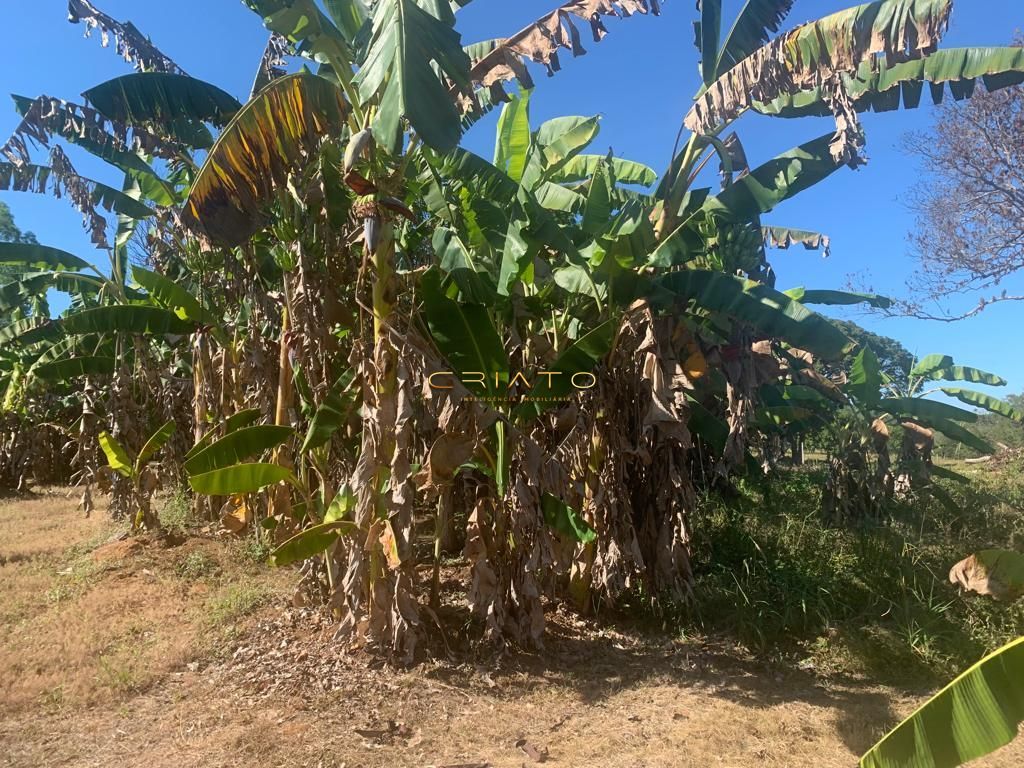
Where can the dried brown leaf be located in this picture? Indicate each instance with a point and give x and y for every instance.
(129, 42)
(541, 41)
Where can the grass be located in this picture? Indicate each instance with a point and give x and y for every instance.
(234, 602)
(196, 565)
(872, 600)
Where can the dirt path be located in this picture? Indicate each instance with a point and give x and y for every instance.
(119, 654)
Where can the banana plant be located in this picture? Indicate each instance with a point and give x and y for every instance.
(138, 470)
(879, 404)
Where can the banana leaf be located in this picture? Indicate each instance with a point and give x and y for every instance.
(236, 447)
(154, 444)
(255, 153)
(974, 715)
(772, 313)
(117, 456)
(126, 318)
(240, 478)
(144, 98)
(311, 542)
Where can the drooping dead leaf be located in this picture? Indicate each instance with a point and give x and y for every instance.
(995, 572)
(920, 437)
(59, 179)
(783, 238)
(273, 62)
(541, 40)
(129, 42)
(447, 454)
(880, 430)
(815, 55)
(390, 546)
(45, 117)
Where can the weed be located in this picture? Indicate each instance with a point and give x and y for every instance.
(176, 512)
(256, 547)
(235, 602)
(195, 565)
(118, 672)
(75, 578)
(52, 699)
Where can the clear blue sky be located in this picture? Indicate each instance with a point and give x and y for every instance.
(640, 79)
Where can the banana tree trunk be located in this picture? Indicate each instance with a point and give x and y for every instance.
(375, 596)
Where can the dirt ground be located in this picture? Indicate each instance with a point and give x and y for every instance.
(120, 653)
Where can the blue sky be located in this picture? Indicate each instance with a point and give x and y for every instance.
(640, 79)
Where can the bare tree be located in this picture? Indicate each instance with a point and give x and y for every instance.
(970, 208)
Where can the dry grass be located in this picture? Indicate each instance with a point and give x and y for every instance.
(160, 657)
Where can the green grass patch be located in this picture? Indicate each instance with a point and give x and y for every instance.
(868, 599)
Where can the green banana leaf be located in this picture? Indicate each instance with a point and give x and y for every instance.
(126, 318)
(981, 400)
(753, 28)
(17, 293)
(948, 474)
(172, 296)
(37, 258)
(348, 15)
(711, 429)
(235, 421)
(942, 368)
(240, 478)
(919, 408)
(865, 379)
(154, 444)
(474, 278)
(512, 142)
(237, 446)
(837, 298)
(955, 431)
(582, 356)
(465, 335)
(583, 167)
(555, 143)
(748, 197)
(73, 367)
(28, 286)
(334, 411)
(974, 715)
(770, 312)
(567, 521)
(399, 73)
(311, 542)
(117, 456)
(144, 98)
(708, 31)
(315, 36)
(30, 330)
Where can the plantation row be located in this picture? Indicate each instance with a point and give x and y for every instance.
(289, 276)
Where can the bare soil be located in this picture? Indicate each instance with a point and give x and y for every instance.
(118, 652)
